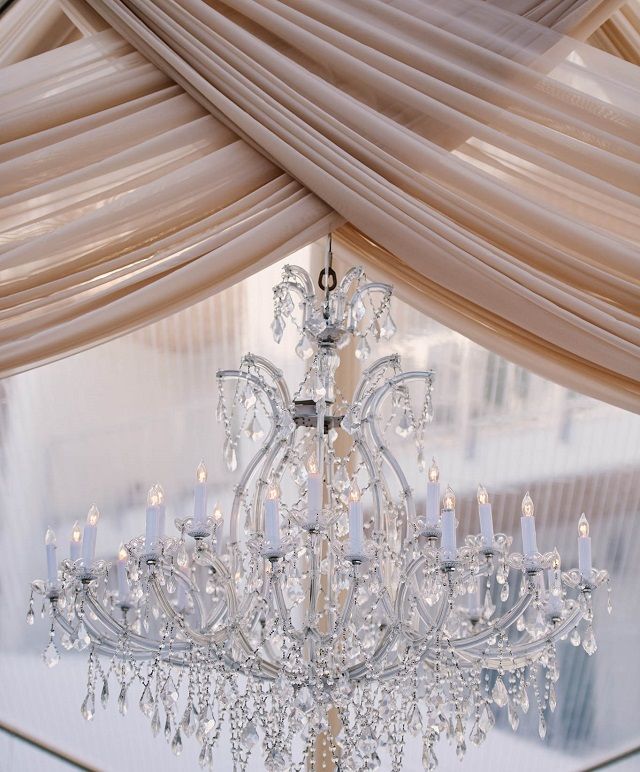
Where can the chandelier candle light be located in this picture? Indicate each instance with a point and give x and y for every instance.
(335, 599)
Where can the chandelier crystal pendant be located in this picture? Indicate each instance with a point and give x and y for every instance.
(343, 602)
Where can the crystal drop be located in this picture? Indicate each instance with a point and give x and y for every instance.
(304, 349)
(66, 641)
(487, 720)
(609, 605)
(553, 698)
(422, 463)
(170, 691)
(429, 759)
(50, 655)
(249, 398)
(524, 700)
(514, 718)
(155, 722)
(147, 703)
(220, 409)
(520, 624)
(30, 616)
(477, 736)
(202, 758)
(504, 592)
(415, 721)
(176, 743)
(363, 349)
(358, 310)
(188, 722)
(287, 305)
(277, 328)
(374, 761)
(405, 425)
(341, 480)
(347, 422)
(461, 749)
(254, 430)
(88, 708)
(170, 585)
(499, 693)
(332, 435)
(574, 638)
(304, 700)
(230, 457)
(181, 555)
(489, 606)
(589, 642)
(82, 637)
(122, 700)
(249, 735)
(104, 694)
(542, 727)
(167, 728)
(387, 327)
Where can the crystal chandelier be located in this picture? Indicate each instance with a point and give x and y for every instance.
(343, 605)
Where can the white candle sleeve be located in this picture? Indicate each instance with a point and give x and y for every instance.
(449, 530)
(52, 564)
(486, 524)
(529, 545)
(75, 550)
(584, 556)
(356, 528)
(152, 530)
(314, 498)
(433, 503)
(200, 502)
(88, 543)
(161, 520)
(123, 581)
(272, 523)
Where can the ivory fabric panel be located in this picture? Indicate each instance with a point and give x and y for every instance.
(122, 201)
(531, 215)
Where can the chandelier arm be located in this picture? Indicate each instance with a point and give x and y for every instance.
(366, 289)
(367, 457)
(283, 611)
(345, 614)
(370, 411)
(353, 274)
(119, 630)
(303, 277)
(519, 654)
(265, 448)
(370, 372)
(500, 625)
(274, 372)
(104, 645)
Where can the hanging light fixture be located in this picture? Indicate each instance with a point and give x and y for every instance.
(338, 605)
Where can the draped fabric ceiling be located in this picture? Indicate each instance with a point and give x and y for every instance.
(478, 154)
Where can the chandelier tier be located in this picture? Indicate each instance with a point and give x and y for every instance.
(341, 605)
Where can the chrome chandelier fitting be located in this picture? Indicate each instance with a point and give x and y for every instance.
(342, 603)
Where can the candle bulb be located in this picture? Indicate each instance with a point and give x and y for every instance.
(433, 495)
(75, 545)
(89, 535)
(486, 518)
(584, 548)
(200, 495)
(52, 563)
(449, 522)
(272, 517)
(356, 524)
(314, 490)
(528, 525)
(155, 519)
(123, 580)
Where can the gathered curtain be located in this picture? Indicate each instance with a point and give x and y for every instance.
(483, 157)
(123, 201)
